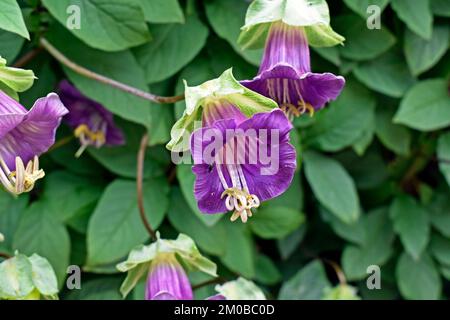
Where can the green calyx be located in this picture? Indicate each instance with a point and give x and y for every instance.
(225, 88)
(27, 278)
(240, 289)
(183, 248)
(313, 15)
(13, 80)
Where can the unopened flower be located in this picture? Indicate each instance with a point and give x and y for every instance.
(221, 98)
(165, 262)
(285, 73)
(24, 135)
(93, 125)
(241, 162)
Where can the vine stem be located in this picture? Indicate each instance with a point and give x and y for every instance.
(337, 269)
(27, 57)
(100, 78)
(4, 255)
(139, 187)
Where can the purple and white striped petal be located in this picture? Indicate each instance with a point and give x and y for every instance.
(167, 280)
(285, 73)
(239, 164)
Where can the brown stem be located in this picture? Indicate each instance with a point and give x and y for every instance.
(337, 269)
(27, 57)
(4, 255)
(100, 78)
(61, 142)
(209, 282)
(139, 179)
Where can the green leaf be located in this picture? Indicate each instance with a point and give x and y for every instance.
(289, 244)
(417, 17)
(162, 11)
(440, 248)
(309, 283)
(422, 54)
(329, 53)
(393, 136)
(440, 8)
(411, 224)
(226, 17)
(212, 239)
(105, 288)
(360, 6)
(373, 236)
(273, 222)
(115, 226)
(362, 43)
(120, 66)
(426, 106)
(10, 45)
(344, 121)
(443, 153)
(174, 46)
(332, 185)
(40, 233)
(439, 209)
(111, 25)
(239, 258)
(186, 178)
(121, 160)
(267, 272)
(11, 18)
(66, 194)
(240, 289)
(11, 210)
(418, 279)
(387, 74)
(17, 79)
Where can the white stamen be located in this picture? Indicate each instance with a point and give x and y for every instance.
(23, 178)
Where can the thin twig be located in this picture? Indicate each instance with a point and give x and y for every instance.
(139, 178)
(61, 142)
(4, 255)
(209, 282)
(27, 57)
(100, 78)
(337, 269)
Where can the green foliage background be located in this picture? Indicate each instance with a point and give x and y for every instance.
(372, 186)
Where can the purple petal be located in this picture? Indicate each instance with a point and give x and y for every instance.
(89, 112)
(167, 280)
(270, 179)
(26, 134)
(265, 179)
(220, 111)
(285, 85)
(285, 72)
(286, 45)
